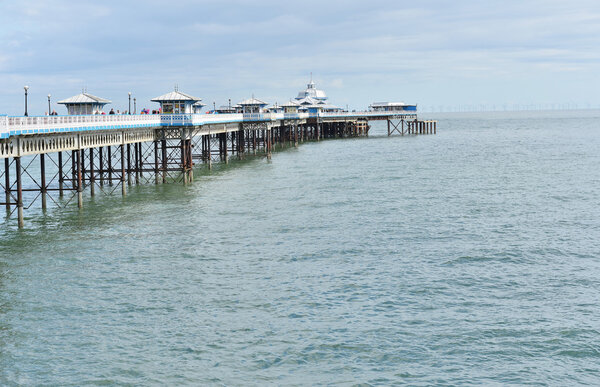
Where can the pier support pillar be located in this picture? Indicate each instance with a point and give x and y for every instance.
(78, 178)
(128, 164)
(123, 185)
(101, 166)
(92, 173)
(7, 184)
(21, 221)
(43, 180)
(138, 161)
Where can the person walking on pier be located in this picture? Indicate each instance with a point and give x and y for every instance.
(112, 111)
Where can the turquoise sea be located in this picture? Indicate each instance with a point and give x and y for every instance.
(470, 257)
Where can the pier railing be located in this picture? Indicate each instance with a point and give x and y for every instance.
(11, 126)
(54, 124)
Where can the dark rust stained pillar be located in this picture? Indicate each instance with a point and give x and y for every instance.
(137, 161)
(43, 180)
(73, 170)
(128, 164)
(101, 166)
(123, 185)
(92, 173)
(19, 193)
(79, 182)
(7, 183)
(60, 174)
(155, 161)
(164, 158)
(109, 166)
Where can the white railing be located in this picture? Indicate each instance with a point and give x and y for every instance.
(205, 119)
(50, 124)
(54, 123)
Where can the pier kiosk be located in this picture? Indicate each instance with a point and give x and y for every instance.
(290, 107)
(253, 106)
(177, 102)
(392, 107)
(84, 104)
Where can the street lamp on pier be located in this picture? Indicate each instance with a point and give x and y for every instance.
(49, 111)
(214, 106)
(134, 105)
(26, 88)
(129, 110)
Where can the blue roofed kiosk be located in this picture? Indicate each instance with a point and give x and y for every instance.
(84, 104)
(177, 102)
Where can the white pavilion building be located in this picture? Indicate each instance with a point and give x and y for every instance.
(84, 104)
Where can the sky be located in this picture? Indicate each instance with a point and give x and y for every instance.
(439, 54)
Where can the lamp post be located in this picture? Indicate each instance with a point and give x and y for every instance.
(134, 105)
(49, 111)
(214, 106)
(229, 103)
(26, 88)
(129, 110)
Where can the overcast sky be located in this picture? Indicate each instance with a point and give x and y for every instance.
(430, 52)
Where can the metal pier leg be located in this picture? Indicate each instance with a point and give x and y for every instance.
(19, 193)
(43, 180)
(225, 148)
(209, 149)
(73, 171)
(110, 169)
(164, 159)
(79, 182)
(7, 184)
(137, 161)
(128, 164)
(123, 185)
(60, 174)
(183, 150)
(101, 166)
(156, 162)
(92, 173)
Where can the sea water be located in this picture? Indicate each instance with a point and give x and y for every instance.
(470, 257)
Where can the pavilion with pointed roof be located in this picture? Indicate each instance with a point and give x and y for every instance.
(177, 102)
(84, 104)
(252, 105)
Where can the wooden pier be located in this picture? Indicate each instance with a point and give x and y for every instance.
(54, 159)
